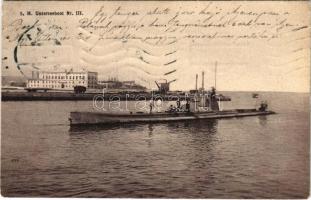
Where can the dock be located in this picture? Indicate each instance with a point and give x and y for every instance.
(70, 96)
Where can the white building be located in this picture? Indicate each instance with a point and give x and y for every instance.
(62, 80)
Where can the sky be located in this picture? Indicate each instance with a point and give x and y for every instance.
(257, 46)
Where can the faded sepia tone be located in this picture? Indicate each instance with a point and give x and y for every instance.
(258, 45)
(128, 99)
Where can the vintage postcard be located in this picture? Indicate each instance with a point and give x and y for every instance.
(155, 99)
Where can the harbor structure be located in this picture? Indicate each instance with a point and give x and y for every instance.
(65, 80)
(164, 85)
(115, 84)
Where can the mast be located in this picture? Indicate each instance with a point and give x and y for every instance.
(215, 75)
(219, 101)
(202, 101)
(196, 82)
(202, 80)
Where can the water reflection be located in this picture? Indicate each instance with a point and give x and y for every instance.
(208, 126)
(262, 120)
(150, 128)
(203, 134)
(99, 128)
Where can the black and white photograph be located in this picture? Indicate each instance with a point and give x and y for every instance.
(155, 99)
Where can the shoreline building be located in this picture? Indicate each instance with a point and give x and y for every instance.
(115, 84)
(66, 80)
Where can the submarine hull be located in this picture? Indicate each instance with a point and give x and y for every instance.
(93, 118)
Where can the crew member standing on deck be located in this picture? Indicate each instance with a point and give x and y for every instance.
(178, 104)
(188, 105)
(151, 105)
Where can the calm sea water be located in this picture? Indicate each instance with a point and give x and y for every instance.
(251, 157)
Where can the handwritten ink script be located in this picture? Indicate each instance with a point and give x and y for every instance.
(35, 34)
(167, 24)
(147, 41)
(159, 24)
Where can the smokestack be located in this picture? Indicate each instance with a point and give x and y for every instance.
(196, 82)
(215, 74)
(203, 80)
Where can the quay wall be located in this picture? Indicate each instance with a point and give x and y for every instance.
(62, 96)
